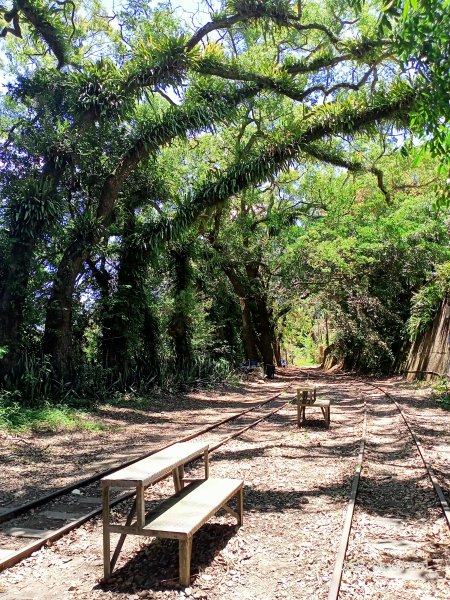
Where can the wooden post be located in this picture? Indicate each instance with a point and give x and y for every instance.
(176, 480)
(185, 552)
(206, 460)
(240, 505)
(140, 506)
(305, 397)
(106, 534)
(180, 471)
(122, 537)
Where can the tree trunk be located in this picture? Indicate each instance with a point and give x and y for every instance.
(17, 266)
(265, 328)
(150, 333)
(58, 323)
(249, 338)
(118, 318)
(126, 322)
(277, 351)
(248, 334)
(180, 328)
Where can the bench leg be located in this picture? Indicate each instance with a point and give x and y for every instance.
(178, 475)
(238, 514)
(240, 506)
(301, 416)
(106, 534)
(185, 552)
(326, 414)
(140, 506)
(121, 541)
(206, 460)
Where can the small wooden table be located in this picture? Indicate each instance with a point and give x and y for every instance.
(307, 396)
(140, 475)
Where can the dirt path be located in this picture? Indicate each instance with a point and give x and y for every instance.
(36, 463)
(296, 491)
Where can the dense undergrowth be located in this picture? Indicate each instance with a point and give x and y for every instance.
(35, 401)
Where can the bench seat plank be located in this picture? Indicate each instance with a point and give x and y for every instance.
(145, 471)
(318, 403)
(185, 513)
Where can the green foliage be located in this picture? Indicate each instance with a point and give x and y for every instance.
(202, 372)
(296, 337)
(15, 417)
(270, 8)
(33, 205)
(150, 137)
(422, 42)
(441, 393)
(427, 300)
(362, 260)
(47, 23)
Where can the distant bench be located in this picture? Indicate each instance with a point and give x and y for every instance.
(178, 517)
(307, 396)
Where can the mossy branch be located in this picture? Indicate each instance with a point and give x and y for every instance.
(44, 22)
(279, 152)
(176, 122)
(338, 159)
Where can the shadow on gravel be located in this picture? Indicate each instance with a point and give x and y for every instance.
(397, 497)
(333, 450)
(278, 501)
(155, 567)
(423, 431)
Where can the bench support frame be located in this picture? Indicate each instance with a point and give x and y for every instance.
(185, 540)
(307, 396)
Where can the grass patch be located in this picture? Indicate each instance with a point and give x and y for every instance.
(444, 400)
(15, 417)
(135, 402)
(441, 393)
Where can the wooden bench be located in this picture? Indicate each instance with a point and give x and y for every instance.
(307, 396)
(182, 515)
(140, 475)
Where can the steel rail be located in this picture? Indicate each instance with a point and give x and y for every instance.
(431, 474)
(241, 431)
(335, 582)
(336, 578)
(26, 551)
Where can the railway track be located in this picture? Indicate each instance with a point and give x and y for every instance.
(389, 447)
(385, 438)
(68, 508)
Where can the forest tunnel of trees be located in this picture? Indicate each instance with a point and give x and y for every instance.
(185, 190)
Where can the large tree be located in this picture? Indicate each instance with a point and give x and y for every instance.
(94, 109)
